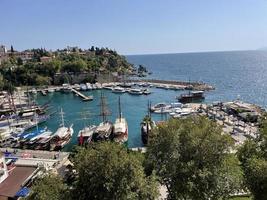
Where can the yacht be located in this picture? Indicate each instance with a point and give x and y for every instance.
(83, 87)
(160, 106)
(62, 136)
(135, 91)
(76, 87)
(118, 90)
(51, 90)
(146, 91)
(98, 85)
(191, 97)
(66, 88)
(103, 131)
(120, 128)
(85, 135)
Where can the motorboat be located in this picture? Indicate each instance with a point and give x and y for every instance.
(83, 87)
(160, 106)
(146, 91)
(89, 86)
(135, 91)
(118, 90)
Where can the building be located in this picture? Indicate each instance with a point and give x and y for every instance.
(19, 168)
(45, 59)
(3, 50)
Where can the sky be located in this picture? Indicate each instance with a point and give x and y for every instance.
(135, 26)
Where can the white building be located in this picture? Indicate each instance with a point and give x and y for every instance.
(3, 49)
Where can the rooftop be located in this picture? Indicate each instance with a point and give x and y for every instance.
(16, 179)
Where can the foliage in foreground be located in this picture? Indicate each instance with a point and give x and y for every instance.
(48, 187)
(104, 171)
(253, 156)
(108, 171)
(192, 158)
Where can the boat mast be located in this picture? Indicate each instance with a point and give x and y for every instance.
(120, 113)
(104, 112)
(62, 118)
(36, 122)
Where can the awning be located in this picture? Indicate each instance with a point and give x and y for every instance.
(23, 192)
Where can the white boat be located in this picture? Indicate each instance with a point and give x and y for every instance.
(83, 87)
(103, 131)
(146, 91)
(51, 90)
(89, 86)
(85, 135)
(34, 91)
(94, 87)
(98, 85)
(135, 91)
(118, 90)
(62, 136)
(163, 110)
(160, 106)
(45, 134)
(76, 86)
(66, 88)
(120, 128)
(176, 105)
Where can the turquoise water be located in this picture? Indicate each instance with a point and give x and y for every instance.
(134, 108)
(233, 74)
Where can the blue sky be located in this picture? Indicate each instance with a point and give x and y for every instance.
(135, 26)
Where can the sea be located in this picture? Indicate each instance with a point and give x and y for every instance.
(234, 74)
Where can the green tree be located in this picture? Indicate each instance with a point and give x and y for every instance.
(108, 171)
(19, 61)
(48, 187)
(191, 156)
(253, 156)
(43, 80)
(1, 82)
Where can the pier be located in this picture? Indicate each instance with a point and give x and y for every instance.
(84, 97)
(181, 84)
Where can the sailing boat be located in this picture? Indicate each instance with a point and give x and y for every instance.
(62, 136)
(120, 128)
(85, 135)
(146, 125)
(104, 129)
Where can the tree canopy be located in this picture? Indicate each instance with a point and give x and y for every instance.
(253, 157)
(27, 72)
(108, 171)
(48, 187)
(192, 158)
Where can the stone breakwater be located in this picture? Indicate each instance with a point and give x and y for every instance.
(181, 84)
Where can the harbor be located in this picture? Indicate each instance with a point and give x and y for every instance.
(62, 106)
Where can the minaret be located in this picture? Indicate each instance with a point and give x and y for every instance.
(3, 168)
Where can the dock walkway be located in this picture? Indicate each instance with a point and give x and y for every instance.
(84, 97)
(182, 84)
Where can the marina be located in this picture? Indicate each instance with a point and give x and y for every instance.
(50, 135)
